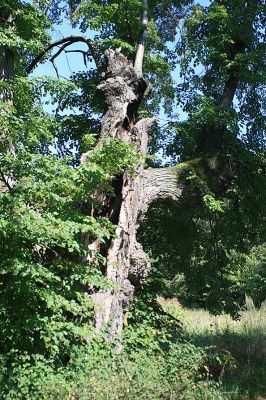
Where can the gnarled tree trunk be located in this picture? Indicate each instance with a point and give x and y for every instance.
(123, 88)
(127, 264)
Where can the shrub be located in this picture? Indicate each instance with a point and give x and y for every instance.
(97, 372)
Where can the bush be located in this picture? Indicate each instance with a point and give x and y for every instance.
(97, 372)
(254, 274)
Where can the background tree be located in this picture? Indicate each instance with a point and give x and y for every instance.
(208, 238)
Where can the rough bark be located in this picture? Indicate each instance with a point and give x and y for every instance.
(127, 265)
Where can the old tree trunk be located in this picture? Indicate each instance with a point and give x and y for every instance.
(127, 264)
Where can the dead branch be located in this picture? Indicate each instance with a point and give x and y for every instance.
(65, 42)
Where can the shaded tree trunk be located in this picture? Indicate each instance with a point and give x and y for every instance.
(211, 137)
(7, 61)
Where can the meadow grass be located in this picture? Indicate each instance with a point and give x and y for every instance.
(236, 348)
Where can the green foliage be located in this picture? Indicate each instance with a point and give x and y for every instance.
(210, 245)
(254, 274)
(44, 284)
(220, 43)
(25, 34)
(97, 372)
(42, 226)
(211, 255)
(45, 222)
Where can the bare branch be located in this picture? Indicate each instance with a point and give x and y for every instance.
(85, 54)
(55, 67)
(77, 51)
(67, 41)
(60, 51)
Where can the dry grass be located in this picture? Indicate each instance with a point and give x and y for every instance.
(197, 319)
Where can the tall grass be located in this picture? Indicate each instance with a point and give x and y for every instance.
(236, 348)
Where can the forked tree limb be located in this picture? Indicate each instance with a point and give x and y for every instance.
(65, 42)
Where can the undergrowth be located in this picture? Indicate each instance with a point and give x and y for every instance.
(181, 354)
(97, 372)
(236, 348)
(152, 361)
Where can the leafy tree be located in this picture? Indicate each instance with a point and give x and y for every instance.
(221, 56)
(45, 282)
(74, 186)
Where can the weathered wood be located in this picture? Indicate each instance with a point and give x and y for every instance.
(127, 265)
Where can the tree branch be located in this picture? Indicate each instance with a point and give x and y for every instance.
(229, 91)
(84, 53)
(174, 185)
(5, 181)
(67, 41)
(60, 51)
(161, 184)
(55, 68)
(230, 86)
(141, 46)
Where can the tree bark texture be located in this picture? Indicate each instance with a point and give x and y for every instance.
(127, 264)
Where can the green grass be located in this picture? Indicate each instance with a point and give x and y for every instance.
(236, 348)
